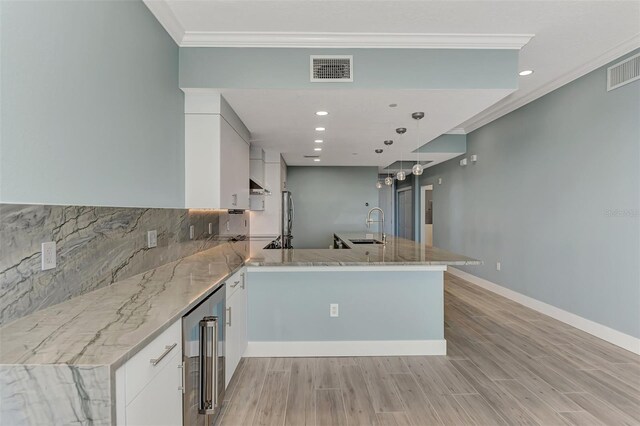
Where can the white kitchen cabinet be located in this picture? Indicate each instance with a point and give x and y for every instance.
(257, 166)
(160, 402)
(256, 202)
(267, 220)
(148, 386)
(236, 326)
(234, 167)
(216, 154)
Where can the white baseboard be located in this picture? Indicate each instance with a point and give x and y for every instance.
(347, 348)
(603, 332)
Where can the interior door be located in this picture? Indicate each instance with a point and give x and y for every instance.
(405, 223)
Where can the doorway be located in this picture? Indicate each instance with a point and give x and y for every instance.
(405, 221)
(426, 214)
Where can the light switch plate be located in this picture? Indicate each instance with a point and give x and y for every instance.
(152, 239)
(48, 255)
(439, 181)
(210, 228)
(498, 266)
(192, 232)
(333, 310)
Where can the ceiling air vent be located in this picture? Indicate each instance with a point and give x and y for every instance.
(623, 72)
(331, 68)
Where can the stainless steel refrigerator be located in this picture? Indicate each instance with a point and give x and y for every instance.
(288, 214)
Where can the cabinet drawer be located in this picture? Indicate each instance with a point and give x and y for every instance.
(159, 403)
(139, 370)
(235, 282)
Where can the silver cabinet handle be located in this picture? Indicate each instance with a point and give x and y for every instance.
(235, 284)
(208, 358)
(167, 349)
(235, 200)
(181, 367)
(229, 316)
(243, 280)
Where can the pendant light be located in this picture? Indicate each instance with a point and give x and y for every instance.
(401, 175)
(378, 181)
(417, 169)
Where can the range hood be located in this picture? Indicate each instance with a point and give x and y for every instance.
(256, 189)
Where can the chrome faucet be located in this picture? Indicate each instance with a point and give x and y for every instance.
(369, 221)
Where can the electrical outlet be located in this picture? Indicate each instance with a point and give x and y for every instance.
(228, 227)
(333, 310)
(439, 181)
(152, 239)
(48, 255)
(498, 266)
(210, 228)
(192, 232)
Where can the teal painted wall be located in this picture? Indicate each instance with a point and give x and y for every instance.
(328, 200)
(271, 68)
(555, 197)
(91, 110)
(373, 305)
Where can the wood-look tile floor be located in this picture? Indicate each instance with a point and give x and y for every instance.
(506, 365)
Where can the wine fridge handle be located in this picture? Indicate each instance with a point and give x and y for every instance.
(208, 366)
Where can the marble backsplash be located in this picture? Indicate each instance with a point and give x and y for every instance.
(96, 246)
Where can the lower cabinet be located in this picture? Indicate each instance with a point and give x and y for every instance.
(149, 385)
(236, 327)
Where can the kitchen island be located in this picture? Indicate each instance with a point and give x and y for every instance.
(60, 365)
(365, 299)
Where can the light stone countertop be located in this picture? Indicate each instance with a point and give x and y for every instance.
(108, 326)
(397, 251)
(57, 365)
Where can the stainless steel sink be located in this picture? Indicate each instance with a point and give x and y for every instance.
(365, 241)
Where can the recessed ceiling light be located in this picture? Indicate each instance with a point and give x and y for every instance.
(316, 160)
(319, 129)
(317, 149)
(525, 72)
(322, 113)
(318, 141)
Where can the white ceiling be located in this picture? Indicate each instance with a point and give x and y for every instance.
(570, 39)
(358, 121)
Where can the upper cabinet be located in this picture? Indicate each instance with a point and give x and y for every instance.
(216, 154)
(257, 166)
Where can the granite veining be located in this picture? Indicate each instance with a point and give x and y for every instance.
(96, 247)
(57, 364)
(70, 351)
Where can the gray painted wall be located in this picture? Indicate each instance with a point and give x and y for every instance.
(286, 68)
(413, 309)
(91, 111)
(328, 200)
(555, 197)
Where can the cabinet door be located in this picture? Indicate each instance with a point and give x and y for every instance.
(234, 169)
(160, 402)
(231, 344)
(241, 316)
(236, 329)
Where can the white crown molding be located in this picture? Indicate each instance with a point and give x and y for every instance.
(492, 114)
(163, 13)
(603, 332)
(354, 40)
(457, 131)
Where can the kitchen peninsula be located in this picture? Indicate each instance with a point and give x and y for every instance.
(368, 298)
(62, 364)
